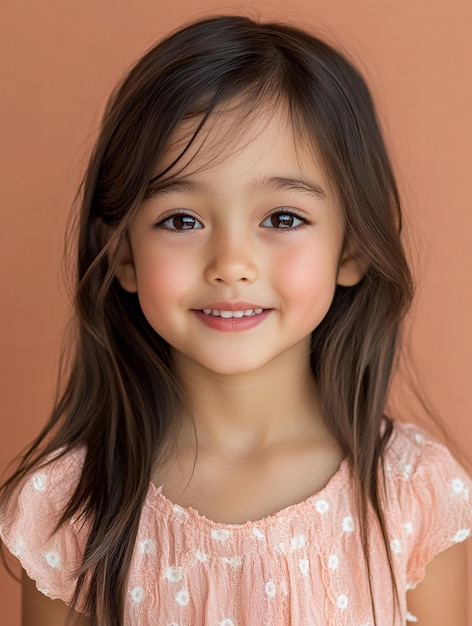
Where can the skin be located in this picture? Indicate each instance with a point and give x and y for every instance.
(257, 414)
(233, 254)
(441, 597)
(39, 610)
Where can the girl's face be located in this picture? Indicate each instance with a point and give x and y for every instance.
(236, 261)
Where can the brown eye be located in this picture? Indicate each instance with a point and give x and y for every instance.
(180, 221)
(282, 220)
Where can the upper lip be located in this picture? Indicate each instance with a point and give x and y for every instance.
(231, 306)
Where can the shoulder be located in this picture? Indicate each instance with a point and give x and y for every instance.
(29, 519)
(414, 456)
(50, 485)
(60, 472)
(428, 496)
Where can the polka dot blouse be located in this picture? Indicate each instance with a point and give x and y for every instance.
(301, 566)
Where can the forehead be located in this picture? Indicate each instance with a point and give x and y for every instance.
(232, 136)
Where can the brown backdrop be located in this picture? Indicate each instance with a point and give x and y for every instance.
(60, 60)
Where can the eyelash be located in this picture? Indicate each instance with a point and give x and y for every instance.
(193, 220)
(287, 213)
(182, 214)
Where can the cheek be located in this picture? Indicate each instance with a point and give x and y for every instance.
(161, 278)
(306, 277)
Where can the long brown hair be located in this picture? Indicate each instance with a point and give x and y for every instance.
(118, 397)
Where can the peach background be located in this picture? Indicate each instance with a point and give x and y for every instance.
(60, 60)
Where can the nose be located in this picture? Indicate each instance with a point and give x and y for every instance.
(231, 260)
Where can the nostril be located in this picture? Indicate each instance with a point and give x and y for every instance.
(229, 270)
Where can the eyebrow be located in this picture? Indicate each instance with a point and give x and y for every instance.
(282, 183)
(272, 183)
(158, 187)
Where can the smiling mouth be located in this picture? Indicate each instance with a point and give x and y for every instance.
(232, 314)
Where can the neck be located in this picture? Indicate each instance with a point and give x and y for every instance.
(245, 413)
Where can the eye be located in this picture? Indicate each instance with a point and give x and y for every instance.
(283, 220)
(179, 221)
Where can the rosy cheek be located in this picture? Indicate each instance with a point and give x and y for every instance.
(297, 270)
(307, 277)
(159, 277)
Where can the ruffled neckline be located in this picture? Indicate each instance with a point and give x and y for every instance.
(158, 500)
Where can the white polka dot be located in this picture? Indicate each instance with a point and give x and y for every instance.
(408, 527)
(18, 547)
(174, 573)
(457, 485)
(181, 513)
(53, 559)
(39, 482)
(44, 591)
(342, 602)
(321, 506)
(419, 437)
(459, 488)
(233, 561)
(304, 566)
(270, 588)
(183, 597)
(147, 546)
(410, 586)
(407, 471)
(410, 617)
(201, 556)
(348, 524)
(137, 594)
(226, 622)
(220, 534)
(396, 546)
(258, 534)
(461, 535)
(333, 561)
(297, 542)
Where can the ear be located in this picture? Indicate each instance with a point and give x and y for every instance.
(351, 268)
(125, 271)
(120, 254)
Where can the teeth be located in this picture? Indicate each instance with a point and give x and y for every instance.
(230, 314)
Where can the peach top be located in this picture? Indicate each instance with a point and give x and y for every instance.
(302, 566)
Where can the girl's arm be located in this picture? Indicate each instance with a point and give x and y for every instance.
(39, 610)
(441, 597)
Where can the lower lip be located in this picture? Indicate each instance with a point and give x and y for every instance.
(232, 324)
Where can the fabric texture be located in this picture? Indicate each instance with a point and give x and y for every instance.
(302, 566)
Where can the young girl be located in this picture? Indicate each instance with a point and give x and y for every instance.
(219, 454)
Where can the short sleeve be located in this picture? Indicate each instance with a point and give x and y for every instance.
(28, 521)
(436, 505)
